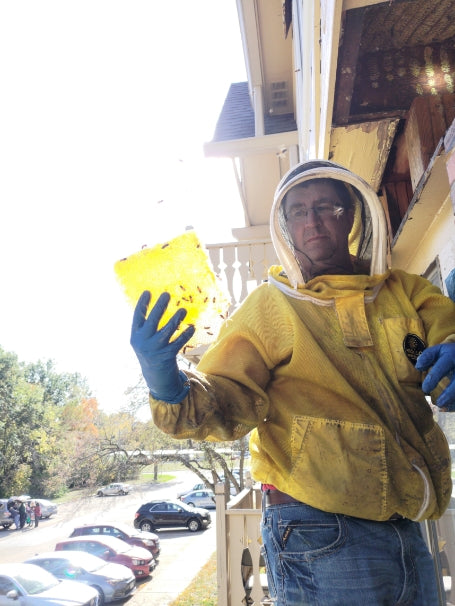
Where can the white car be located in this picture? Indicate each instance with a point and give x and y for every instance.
(199, 486)
(47, 508)
(30, 585)
(116, 488)
(199, 498)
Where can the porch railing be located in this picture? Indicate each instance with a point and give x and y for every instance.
(242, 265)
(240, 570)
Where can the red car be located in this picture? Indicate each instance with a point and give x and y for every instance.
(140, 560)
(132, 536)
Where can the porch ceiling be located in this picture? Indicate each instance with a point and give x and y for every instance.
(391, 53)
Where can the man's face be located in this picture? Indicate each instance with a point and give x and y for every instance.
(319, 227)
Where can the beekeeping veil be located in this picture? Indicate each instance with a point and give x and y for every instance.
(368, 236)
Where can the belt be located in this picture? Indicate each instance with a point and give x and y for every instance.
(276, 497)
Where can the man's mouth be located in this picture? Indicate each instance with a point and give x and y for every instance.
(315, 238)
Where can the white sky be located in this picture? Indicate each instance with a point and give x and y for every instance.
(104, 108)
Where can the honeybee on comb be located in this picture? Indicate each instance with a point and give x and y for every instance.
(180, 267)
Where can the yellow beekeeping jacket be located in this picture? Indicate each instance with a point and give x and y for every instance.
(342, 427)
(319, 373)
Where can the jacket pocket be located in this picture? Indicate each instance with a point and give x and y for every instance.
(440, 467)
(341, 466)
(397, 329)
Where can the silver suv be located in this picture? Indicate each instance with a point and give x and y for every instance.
(6, 519)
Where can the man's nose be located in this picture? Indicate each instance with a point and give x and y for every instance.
(312, 217)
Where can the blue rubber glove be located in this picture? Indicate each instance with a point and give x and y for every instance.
(157, 355)
(441, 361)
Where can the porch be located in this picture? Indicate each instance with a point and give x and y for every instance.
(241, 577)
(242, 265)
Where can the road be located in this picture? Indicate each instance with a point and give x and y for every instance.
(183, 553)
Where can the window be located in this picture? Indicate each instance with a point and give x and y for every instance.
(433, 273)
(6, 585)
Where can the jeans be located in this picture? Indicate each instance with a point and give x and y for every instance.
(316, 558)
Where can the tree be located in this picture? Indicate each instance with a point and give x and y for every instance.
(58, 388)
(32, 443)
(210, 469)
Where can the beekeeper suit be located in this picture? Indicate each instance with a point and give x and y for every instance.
(323, 364)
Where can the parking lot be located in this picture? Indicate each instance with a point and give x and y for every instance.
(183, 553)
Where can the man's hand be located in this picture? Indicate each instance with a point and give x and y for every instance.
(440, 359)
(156, 353)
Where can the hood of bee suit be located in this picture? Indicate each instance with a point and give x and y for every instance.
(368, 236)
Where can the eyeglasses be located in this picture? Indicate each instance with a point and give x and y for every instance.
(323, 210)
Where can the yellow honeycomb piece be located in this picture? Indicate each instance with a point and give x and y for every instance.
(180, 267)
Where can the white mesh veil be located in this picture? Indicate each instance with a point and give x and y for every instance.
(368, 237)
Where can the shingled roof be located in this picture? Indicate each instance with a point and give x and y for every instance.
(236, 120)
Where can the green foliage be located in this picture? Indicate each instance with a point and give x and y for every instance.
(58, 389)
(54, 438)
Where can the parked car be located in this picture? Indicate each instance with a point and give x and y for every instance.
(47, 508)
(30, 585)
(116, 488)
(200, 486)
(6, 519)
(199, 498)
(171, 514)
(132, 536)
(111, 581)
(110, 549)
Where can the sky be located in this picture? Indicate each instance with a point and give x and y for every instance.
(104, 109)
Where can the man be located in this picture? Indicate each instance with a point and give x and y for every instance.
(13, 508)
(22, 514)
(320, 364)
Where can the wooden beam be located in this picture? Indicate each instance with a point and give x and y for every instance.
(346, 72)
(349, 4)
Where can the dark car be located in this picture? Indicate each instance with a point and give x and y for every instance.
(171, 514)
(148, 540)
(110, 549)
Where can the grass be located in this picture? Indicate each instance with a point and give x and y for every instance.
(203, 588)
(149, 476)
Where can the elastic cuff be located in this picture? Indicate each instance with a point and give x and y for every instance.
(185, 388)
